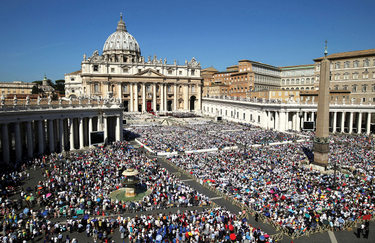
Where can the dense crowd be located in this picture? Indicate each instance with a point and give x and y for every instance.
(271, 181)
(207, 135)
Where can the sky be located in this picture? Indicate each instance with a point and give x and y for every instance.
(50, 37)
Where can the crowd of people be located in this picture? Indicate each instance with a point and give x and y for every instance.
(271, 181)
(205, 135)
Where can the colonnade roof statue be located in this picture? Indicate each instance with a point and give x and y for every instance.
(121, 41)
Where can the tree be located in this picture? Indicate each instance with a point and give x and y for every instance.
(60, 86)
(35, 90)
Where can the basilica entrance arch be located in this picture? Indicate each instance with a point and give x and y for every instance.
(192, 103)
(169, 105)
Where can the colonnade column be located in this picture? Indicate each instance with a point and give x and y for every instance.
(368, 127)
(351, 122)
(313, 116)
(297, 121)
(90, 130)
(51, 137)
(81, 133)
(61, 135)
(117, 128)
(334, 121)
(131, 97)
(154, 100)
(343, 122)
(305, 116)
(71, 133)
(5, 143)
(359, 125)
(29, 135)
(277, 121)
(143, 97)
(40, 137)
(17, 138)
(175, 97)
(282, 121)
(105, 130)
(121, 127)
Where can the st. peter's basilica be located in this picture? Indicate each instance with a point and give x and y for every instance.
(120, 72)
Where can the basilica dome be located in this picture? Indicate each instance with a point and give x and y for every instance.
(121, 41)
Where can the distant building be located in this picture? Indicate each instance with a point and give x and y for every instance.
(15, 87)
(300, 77)
(351, 71)
(73, 85)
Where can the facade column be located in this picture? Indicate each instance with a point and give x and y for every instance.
(105, 129)
(81, 133)
(136, 98)
(175, 97)
(61, 135)
(29, 135)
(359, 125)
(119, 87)
(343, 122)
(161, 89)
(351, 122)
(186, 97)
(304, 116)
(51, 139)
(143, 97)
(17, 138)
(199, 97)
(71, 133)
(40, 137)
(131, 97)
(154, 100)
(282, 121)
(368, 125)
(334, 121)
(165, 97)
(313, 116)
(5, 143)
(90, 129)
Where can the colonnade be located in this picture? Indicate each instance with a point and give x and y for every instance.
(282, 117)
(30, 133)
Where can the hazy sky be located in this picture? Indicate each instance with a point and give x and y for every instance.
(51, 36)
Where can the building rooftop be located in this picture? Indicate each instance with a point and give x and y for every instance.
(297, 67)
(349, 54)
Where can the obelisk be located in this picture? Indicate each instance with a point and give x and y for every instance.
(321, 140)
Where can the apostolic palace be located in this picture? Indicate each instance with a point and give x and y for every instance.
(120, 72)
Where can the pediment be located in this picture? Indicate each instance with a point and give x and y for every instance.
(149, 73)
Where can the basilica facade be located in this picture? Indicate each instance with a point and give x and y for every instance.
(121, 73)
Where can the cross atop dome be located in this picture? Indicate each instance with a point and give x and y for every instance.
(121, 24)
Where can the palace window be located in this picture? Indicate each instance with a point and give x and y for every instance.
(354, 88)
(96, 68)
(346, 76)
(355, 75)
(112, 70)
(366, 62)
(355, 63)
(336, 87)
(169, 72)
(364, 88)
(365, 75)
(347, 64)
(192, 72)
(180, 72)
(125, 88)
(125, 70)
(337, 66)
(345, 87)
(302, 81)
